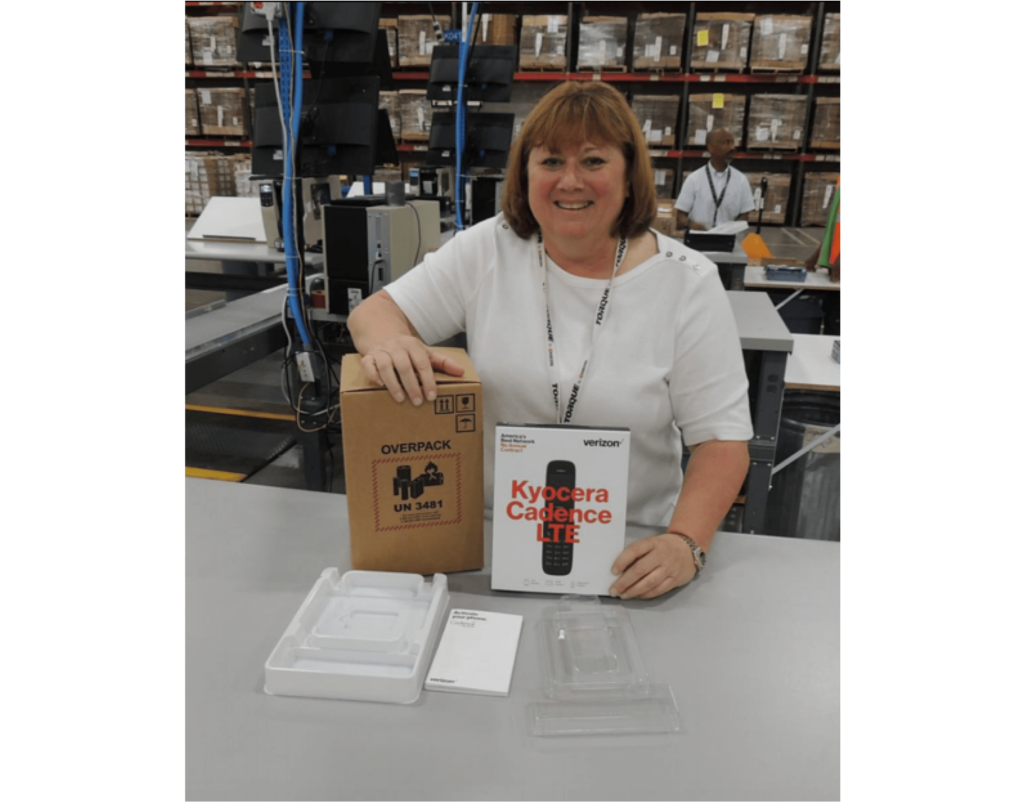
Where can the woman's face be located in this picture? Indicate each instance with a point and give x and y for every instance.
(577, 191)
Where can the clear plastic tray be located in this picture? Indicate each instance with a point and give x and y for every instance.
(595, 679)
(360, 636)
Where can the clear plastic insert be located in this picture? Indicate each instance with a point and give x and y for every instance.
(595, 679)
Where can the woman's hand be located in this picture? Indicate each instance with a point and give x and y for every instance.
(653, 566)
(405, 365)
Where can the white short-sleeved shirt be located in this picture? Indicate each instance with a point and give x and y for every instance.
(696, 201)
(668, 357)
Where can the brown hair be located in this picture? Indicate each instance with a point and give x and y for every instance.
(575, 112)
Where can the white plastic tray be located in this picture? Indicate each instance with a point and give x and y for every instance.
(360, 636)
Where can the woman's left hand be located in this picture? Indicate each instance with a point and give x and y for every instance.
(653, 566)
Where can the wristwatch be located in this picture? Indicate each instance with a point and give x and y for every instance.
(700, 557)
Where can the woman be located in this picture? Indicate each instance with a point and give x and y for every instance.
(569, 287)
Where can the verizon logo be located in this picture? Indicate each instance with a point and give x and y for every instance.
(603, 443)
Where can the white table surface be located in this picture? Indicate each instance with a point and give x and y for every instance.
(753, 277)
(811, 366)
(751, 651)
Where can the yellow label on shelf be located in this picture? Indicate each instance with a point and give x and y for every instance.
(702, 38)
(718, 101)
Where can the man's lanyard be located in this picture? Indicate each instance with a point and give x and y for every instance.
(603, 308)
(717, 198)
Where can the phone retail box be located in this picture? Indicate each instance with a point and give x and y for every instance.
(559, 507)
(414, 475)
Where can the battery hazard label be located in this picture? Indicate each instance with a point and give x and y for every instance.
(417, 491)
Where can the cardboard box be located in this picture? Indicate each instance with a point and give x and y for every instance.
(207, 175)
(658, 42)
(715, 110)
(829, 57)
(818, 189)
(664, 182)
(776, 199)
(776, 122)
(542, 43)
(825, 128)
(658, 116)
(416, 115)
(192, 128)
(780, 42)
(602, 43)
(416, 38)
(559, 508)
(721, 41)
(222, 111)
(414, 475)
(665, 222)
(214, 41)
(497, 29)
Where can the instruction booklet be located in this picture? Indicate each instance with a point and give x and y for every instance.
(477, 653)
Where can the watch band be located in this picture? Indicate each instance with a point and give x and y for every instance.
(700, 557)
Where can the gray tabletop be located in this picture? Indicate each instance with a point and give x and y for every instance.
(751, 651)
(760, 326)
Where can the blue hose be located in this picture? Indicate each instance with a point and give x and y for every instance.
(291, 102)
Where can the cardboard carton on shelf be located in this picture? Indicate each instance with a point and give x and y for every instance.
(192, 127)
(222, 111)
(542, 42)
(416, 113)
(390, 27)
(497, 29)
(775, 200)
(776, 122)
(715, 110)
(818, 189)
(664, 182)
(416, 38)
(658, 42)
(214, 41)
(721, 41)
(825, 128)
(602, 43)
(828, 60)
(658, 116)
(781, 42)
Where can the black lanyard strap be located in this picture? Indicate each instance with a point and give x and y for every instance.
(717, 198)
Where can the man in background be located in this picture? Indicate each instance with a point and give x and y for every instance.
(717, 193)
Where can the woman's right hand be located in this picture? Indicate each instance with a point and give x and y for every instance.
(405, 366)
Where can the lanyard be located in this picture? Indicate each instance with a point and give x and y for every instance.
(717, 198)
(603, 308)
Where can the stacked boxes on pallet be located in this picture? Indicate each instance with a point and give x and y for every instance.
(664, 182)
(781, 42)
(214, 41)
(721, 41)
(829, 60)
(542, 43)
(715, 110)
(496, 29)
(416, 38)
(192, 128)
(602, 43)
(825, 128)
(658, 42)
(818, 189)
(776, 122)
(665, 220)
(222, 112)
(775, 200)
(241, 164)
(206, 175)
(657, 115)
(416, 114)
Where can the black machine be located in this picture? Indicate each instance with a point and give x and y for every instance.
(488, 139)
(488, 74)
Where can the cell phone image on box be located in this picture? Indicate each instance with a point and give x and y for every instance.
(557, 547)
